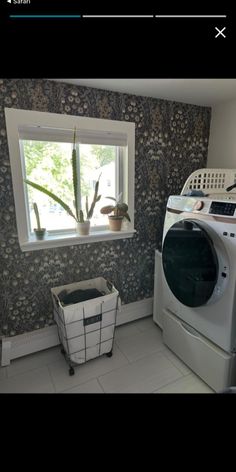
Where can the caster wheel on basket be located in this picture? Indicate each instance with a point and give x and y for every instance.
(63, 351)
(109, 354)
(71, 371)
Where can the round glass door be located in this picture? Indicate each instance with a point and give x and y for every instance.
(190, 263)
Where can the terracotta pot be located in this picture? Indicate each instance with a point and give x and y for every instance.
(115, 222)
(83, 228)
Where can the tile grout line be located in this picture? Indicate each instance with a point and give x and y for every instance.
(5, 376)
(119, 349)
(185, 376)
(12, 379)
(142, 320)
(143, 356)
(78, 385)
(94, 377)
(170, 383)
(99, 383)
(130, 363)
(30, 369)
(169, 359)
(51, 378)
(134, 335)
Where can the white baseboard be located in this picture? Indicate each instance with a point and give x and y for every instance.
(34, 341)
(28, 343)
(134, 311)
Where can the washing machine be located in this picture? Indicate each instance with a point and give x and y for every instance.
(199, 285)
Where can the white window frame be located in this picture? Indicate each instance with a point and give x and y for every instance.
(18, 120)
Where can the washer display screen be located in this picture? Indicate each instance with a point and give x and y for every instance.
(222, 208)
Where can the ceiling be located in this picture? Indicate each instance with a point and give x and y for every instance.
(194, 91)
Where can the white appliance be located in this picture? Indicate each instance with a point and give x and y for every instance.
(157, 299)
(199, 282)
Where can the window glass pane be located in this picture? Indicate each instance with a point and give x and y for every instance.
(49, 165)
(95, 160)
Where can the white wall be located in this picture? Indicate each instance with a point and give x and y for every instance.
(222, 142)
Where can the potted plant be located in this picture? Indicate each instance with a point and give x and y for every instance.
(75, 212)
(39, 231)
(119, 211)
(83, 226)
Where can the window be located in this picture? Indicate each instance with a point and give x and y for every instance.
(49, 164)
(40, 146)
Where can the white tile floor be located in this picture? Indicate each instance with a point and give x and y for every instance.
(141, 363)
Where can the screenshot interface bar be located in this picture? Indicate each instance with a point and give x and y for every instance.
(192, 35)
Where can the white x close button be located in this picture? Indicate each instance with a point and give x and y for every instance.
(220, 32)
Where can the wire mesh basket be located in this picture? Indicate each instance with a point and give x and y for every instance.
(86, 329)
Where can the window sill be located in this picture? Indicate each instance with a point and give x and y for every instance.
(72, 239)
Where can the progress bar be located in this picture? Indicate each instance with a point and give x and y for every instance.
(45, 16)
(117, 16)
(190, 16)
(154, 16)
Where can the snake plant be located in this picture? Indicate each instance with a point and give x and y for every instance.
(76, 213)
(39, 231)
(36, 211)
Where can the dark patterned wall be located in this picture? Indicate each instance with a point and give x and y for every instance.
(171, 142)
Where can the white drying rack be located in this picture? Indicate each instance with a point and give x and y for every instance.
(210, 181)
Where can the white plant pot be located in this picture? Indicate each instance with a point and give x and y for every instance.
(83, 228)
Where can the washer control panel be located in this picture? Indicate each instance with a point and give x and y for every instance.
(222, 208)
(204, 206)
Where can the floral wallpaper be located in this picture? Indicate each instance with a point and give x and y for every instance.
(171, 142)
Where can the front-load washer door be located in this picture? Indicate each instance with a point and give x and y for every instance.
(190, 263)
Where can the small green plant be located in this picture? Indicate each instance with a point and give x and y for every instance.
(76, 213)
(81, 217)
(96, 198)
(39, 231)
(36, 211)
(119, 209)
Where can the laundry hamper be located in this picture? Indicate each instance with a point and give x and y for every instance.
(86, 329)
